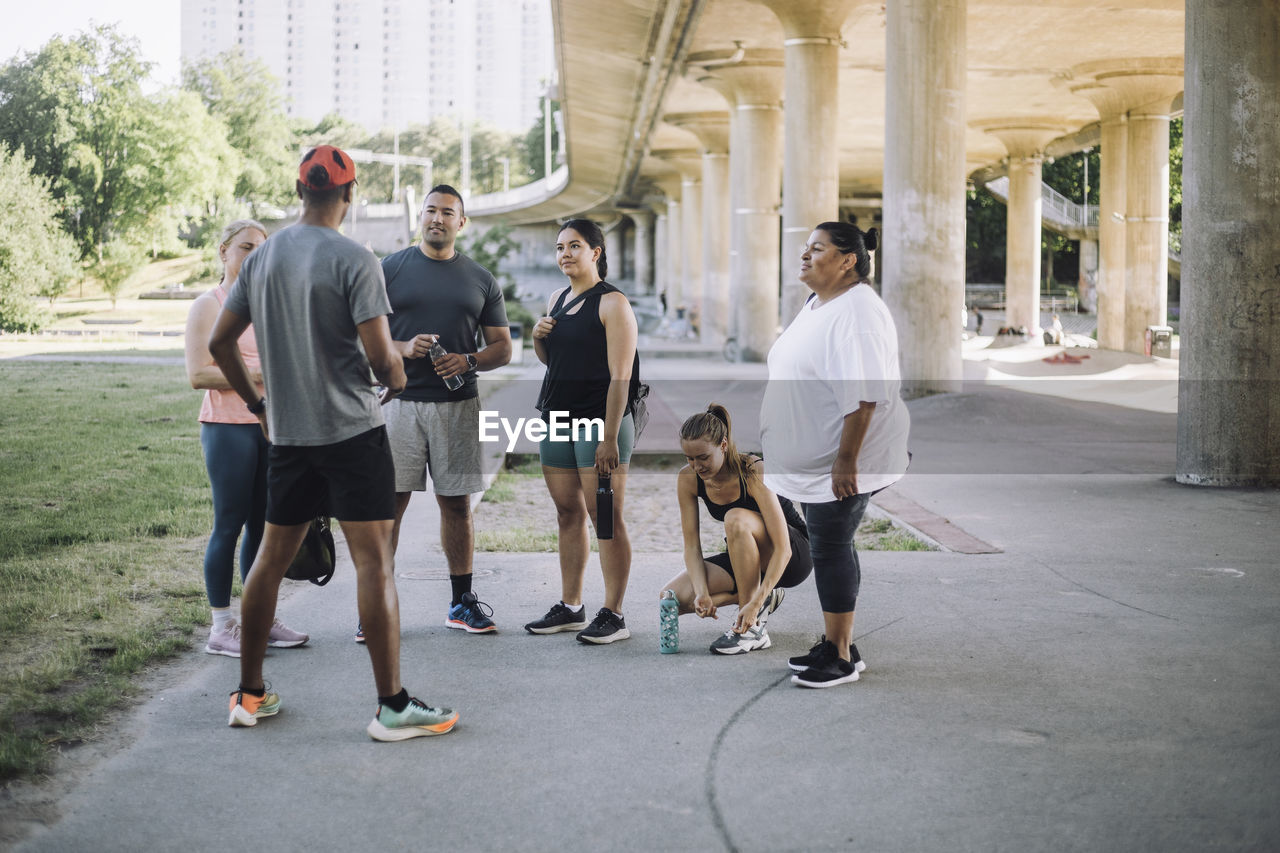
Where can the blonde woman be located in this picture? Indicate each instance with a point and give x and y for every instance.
(767, 547)
(235, 450)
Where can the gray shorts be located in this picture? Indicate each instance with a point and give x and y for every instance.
(442, 437)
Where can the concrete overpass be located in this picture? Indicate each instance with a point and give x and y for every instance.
(723, 130)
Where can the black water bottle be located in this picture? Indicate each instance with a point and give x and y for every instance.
(604, 508)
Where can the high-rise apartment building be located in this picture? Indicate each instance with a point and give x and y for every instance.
(388, 63)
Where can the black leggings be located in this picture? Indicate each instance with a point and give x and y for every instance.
(836, 572)
(798, 567)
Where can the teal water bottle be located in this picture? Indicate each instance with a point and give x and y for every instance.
(669, 623)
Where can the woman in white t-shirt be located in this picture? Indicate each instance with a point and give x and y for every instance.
(834, 428)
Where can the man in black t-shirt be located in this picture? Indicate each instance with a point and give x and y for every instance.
(439, 294)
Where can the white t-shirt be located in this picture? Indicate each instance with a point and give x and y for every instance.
(829, 360)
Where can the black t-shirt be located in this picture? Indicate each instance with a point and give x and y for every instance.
(452, 299)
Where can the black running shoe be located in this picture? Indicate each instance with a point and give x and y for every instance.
(559, 618)
(800, 663)
(607, 627)
(828, 673)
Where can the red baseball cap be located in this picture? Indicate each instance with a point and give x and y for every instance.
(339, 169)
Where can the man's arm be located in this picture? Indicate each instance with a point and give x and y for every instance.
(497, 347)
(388, 367)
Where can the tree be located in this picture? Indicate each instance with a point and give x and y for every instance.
(36, 256)
(243, 93)
(535, 156)
(113, 156)
(490, 250)
(120, 260)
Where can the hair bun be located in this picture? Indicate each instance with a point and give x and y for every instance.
(871, 239)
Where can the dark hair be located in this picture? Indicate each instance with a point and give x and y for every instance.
(713, 426)
(318, 174)
(595, 239)
(846, 237)
(445, 189)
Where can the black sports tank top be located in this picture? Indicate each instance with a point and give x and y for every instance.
(745, 501)
(577, 379)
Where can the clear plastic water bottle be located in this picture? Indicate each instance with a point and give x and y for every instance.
(604, 507)
(668, 623)
(437, 352)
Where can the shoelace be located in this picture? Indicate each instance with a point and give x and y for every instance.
(415, 701)
(604, 617)
(478, 606)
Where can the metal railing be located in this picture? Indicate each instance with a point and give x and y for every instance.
(1053, 205)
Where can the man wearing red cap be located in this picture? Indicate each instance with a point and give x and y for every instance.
(319, 308)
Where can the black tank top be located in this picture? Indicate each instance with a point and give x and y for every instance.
(577, 379)
(745, 501)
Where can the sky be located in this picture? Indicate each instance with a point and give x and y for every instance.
(155, 23)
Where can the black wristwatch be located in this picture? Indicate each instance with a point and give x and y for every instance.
(258, 407)
(471, 361)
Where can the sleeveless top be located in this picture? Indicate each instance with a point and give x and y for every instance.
(745, 501)
(225, 406)
(577, 378)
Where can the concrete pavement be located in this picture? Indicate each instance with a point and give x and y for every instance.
(1103, 681)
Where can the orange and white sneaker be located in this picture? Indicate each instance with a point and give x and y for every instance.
(247, 709)
(417, 720)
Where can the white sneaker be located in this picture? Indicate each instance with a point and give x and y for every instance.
(225, 642)
(755, 637)
(282, 636)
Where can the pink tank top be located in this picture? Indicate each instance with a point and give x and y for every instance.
(226, 407)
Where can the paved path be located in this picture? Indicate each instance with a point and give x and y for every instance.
(1105, 681)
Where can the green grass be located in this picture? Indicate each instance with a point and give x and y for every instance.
(516, 466)
(104, 507)
(880, 534)
(525, 539)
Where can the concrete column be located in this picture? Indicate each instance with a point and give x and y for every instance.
(1146, 252)
(614, 246)
(674, 260)
(1122, 90)
(642, 249)
(811, 165)
(688, 163)
(1229, 376)
(660, 253)
(1025, 143)
(712, 130)
(751, 80)
(924, 188)
(1088, 285)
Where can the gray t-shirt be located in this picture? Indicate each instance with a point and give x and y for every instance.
(452, 299)
(305, 290)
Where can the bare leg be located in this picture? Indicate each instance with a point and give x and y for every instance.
(719, 584)
(370, 545)
(749, 549)
(457, 535)
(615, 553)
(258, 603)
(839, 628)
(402, 504)
(571, 519)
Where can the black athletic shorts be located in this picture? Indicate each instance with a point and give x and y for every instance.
(799, 567)
(353, 480)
